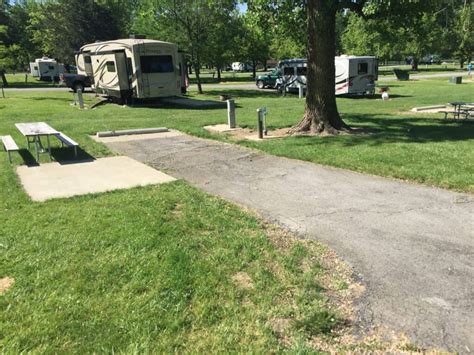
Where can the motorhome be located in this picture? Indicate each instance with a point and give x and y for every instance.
(355, 75)
(133, 68)
(46, 69)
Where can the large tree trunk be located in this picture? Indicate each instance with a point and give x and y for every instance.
(219, 76)
(321, 115)
(254, 69)
(4, 78)
(414, 64)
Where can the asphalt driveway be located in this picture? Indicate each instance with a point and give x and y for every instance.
(412, 245)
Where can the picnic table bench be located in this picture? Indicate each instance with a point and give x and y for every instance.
(465, 109)
(65, 140)
(9, 145)
(33, 131)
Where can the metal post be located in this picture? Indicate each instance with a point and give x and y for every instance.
(231, 113)
(300, 90)
(264, 120)
(49, 147)
(260, 123)
(80, 98)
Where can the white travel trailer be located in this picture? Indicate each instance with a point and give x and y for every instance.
(133, 68)
(46, 69)
(354, 75)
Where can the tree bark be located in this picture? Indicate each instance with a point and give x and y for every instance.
(4, 78)
(321, 115)
(198, 76)
(219, 74)
(254, 69)
(414, 64)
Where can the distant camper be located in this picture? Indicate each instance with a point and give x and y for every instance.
(46, 69)
(354, 75)
(133, 68)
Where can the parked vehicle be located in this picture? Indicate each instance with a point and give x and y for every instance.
(46, 69)
(240, 66)
(76, 81)
(133, 68)
(431, 59)
(354, 75)
(268, 80)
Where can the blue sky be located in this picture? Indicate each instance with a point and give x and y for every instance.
(242, 7)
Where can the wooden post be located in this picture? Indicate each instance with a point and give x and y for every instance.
(260, 123)
(80, 98)
(231, 113)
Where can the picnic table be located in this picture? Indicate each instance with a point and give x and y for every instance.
(33, 131)
(462, 108)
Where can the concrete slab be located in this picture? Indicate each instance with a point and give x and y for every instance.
(54, 180)
(134, 137)
(221, 128)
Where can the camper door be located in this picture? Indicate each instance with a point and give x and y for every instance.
(342, 76)
(363, 75)
(34, 69)
(110, 73)
(159, 75)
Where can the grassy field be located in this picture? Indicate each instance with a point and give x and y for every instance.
(418, 147)
(210, 76)
(169, 268)
(25, 80)
(157, 269)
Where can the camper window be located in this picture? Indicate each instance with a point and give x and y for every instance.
(363, 68)
(110, 67)
(157, 64)
(87, 59)
(288, 71)
(51, 67)
(301, 71)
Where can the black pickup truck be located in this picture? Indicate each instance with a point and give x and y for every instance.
(76, 81)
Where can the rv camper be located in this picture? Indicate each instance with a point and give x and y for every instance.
(46, 69)
(354, 75)
(133, 68)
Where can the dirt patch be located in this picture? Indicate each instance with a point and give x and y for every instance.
(5, 284)
(178, 210)
(243, 280)
(251, 134)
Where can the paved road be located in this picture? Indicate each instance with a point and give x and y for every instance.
(246, 86)
(412, 245)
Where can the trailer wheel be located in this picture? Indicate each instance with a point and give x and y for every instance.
(77, 86)
(260, 84)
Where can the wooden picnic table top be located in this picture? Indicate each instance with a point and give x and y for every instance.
(35, 129)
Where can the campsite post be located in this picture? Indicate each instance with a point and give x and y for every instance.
(231, 113)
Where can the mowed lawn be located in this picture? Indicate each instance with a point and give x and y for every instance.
(169, 268)
(423, 148)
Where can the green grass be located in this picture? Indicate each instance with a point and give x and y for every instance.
(422, 68)
(17, 80)
(420, 147)
(150, 269)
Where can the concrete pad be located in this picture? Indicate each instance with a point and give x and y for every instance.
(135, 137)
(221, 128)
(54, 180)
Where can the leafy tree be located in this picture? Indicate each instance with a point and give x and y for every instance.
(465, 33)
(189, 23)
(254, 44)
(3, 35)
(61, 27)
